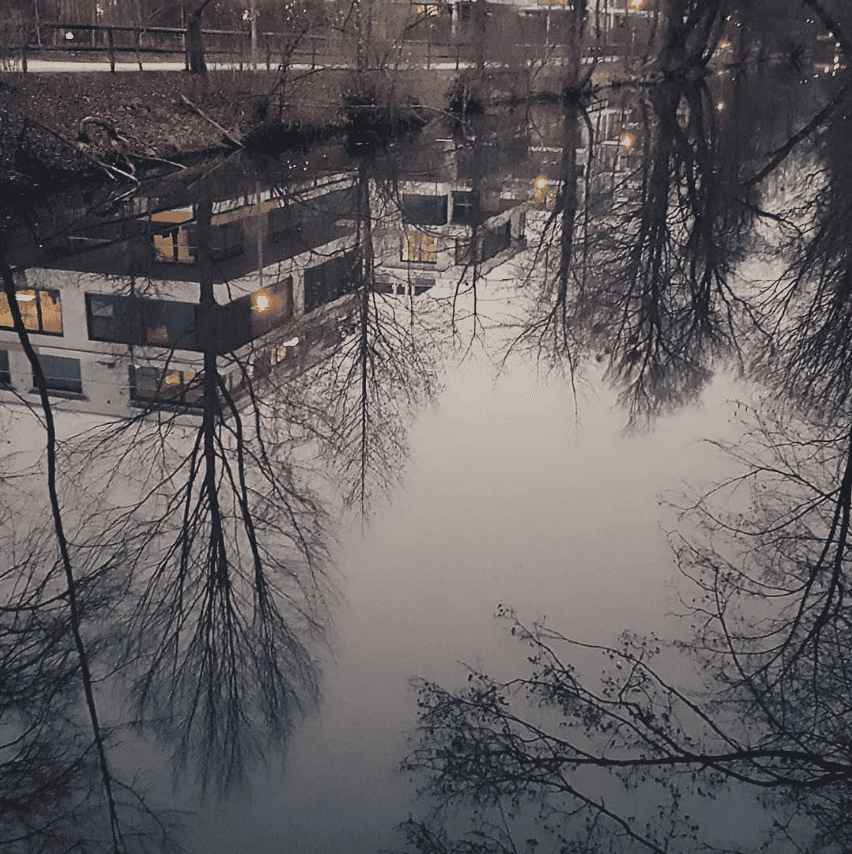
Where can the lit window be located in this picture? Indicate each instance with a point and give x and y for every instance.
(166, 386)
(40, 310)
(420, 247)
(173, 245)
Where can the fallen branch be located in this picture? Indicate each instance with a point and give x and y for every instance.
(233, 140)
(112, 171)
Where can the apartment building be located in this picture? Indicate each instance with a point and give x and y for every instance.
(112, 309)
(112, 306)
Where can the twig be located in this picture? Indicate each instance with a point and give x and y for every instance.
(111, 170)
(233, 140)
(794, 140)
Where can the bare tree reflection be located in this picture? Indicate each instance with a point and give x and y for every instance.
(764, 555)
(359, 400)
(808, 305)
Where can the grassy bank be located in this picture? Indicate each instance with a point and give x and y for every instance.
(45, 135)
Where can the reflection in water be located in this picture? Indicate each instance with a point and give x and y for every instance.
(241, 348)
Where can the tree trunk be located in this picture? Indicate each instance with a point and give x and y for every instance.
(195, 46)
(194, 42)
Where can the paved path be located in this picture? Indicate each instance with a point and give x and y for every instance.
(41, 66)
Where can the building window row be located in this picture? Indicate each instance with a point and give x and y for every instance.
(165, 323)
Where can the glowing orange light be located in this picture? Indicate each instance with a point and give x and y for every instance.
(541, 191)
(627, 140)
(725, 45)
(637, 4)
(261, 301)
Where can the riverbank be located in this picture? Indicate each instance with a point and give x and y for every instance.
(62, 126)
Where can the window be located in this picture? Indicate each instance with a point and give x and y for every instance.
(109, 318)
(5, 373)
(180, 244)
(173, 245)
(254, 315)
(283, 223)
(424, 210)
(226, 241)
(420, 247)
(61, 374)
(326, 282)
(168, 324)
(40, 310)
(130, 320)
(464, 209)
(158, 385)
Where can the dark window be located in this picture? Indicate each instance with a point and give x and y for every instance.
(158, 385)
(130, 320)
(168, 324)
(5, 374)
(463, 207)
(40, 309)
(181, 244)
(424, 210)
(226, 241)
(328, 281)
(110, 318)
(61, 374)
(283, 223)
